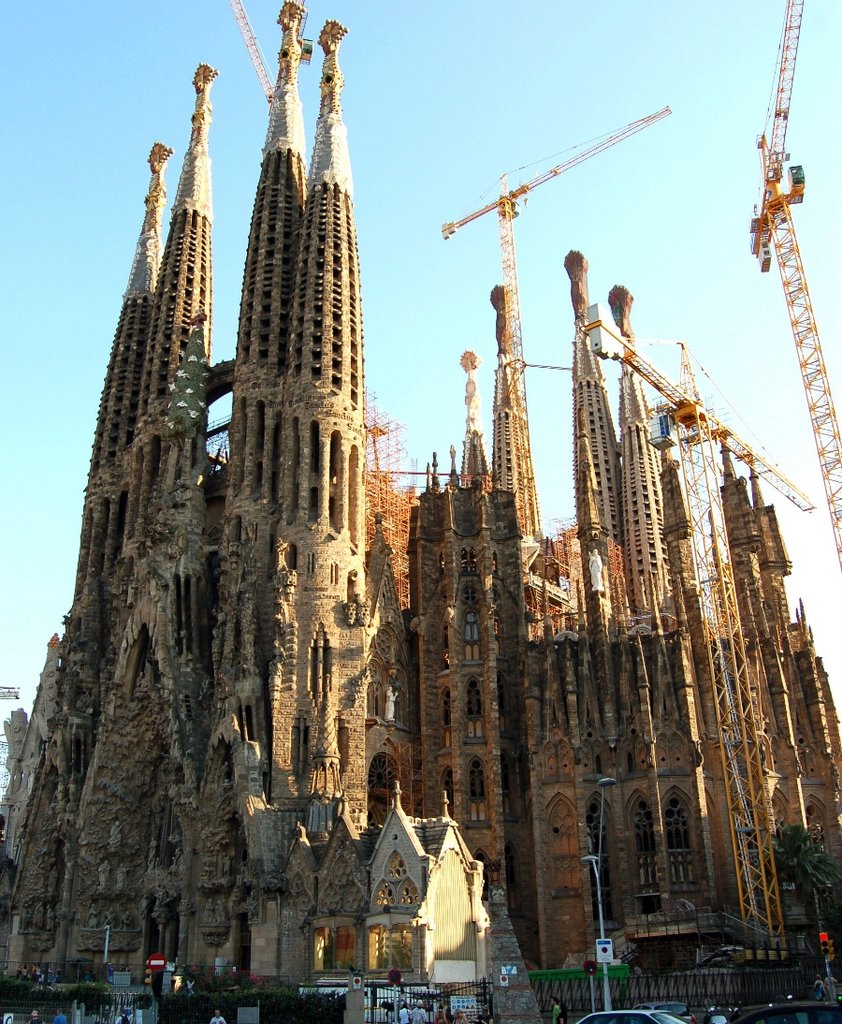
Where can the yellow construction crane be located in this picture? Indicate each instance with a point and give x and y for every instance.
(253, 48)
(772, 222)
(513, 364)
(696, 430)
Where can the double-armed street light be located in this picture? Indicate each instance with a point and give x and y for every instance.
(595, 861)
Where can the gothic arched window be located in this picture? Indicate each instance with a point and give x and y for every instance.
(447, 785)
(644, 844)
(476, 791)
(446, 718)
(473, 708)
(598, 842)
(678, 841)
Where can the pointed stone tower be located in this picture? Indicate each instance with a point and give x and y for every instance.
(134, 660)
(248, 554)
(512, 457)
(591, 396)
(474, 461)
(647, 583)
(104, 517)
(323, 615)
(185, 280)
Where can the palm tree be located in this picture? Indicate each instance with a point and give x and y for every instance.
(801, 861)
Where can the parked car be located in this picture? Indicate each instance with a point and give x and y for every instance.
(681, 1010)
(791, 1012)
(718, 1015)
(633, 1016)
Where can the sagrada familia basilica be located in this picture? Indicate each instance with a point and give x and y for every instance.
(351, 715)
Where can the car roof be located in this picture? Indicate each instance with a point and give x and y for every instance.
(660, 1016)
(660, 1005)
(790, 1004)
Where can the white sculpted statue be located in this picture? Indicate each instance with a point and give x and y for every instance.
(595, 566)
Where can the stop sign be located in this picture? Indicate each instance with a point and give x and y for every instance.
(156, 962)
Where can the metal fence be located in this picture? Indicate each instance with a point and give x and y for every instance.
(700, 988)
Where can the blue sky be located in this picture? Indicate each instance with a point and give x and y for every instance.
(440, 99)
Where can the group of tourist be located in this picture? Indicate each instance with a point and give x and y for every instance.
(29, 972)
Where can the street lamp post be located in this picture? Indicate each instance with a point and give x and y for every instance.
(595, 861)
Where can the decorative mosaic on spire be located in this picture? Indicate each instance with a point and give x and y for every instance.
(147, 258)
(286, 120)
(331, 162)
(188, 405)
(194, 187)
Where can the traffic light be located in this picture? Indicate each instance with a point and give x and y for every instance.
(147, 978)
(826, 946)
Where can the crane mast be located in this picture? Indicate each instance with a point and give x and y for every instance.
(250, 40)
(512, 362)
(737, 714)
(773, 224)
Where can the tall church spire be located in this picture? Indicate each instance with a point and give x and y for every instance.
(104, 515)
(184, 283)
(147, 258)
(331, 162)
(182, 292)
(474, 462)
(255, 467)
(117, 411)
(512, 455)
(194, 186)
(589, 393)
(647, 578)
(321, 526)
(286, 121)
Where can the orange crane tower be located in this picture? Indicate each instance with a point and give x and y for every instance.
(698, 432)
(506, 207)
(773, 222)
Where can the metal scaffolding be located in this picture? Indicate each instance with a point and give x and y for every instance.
(385, 464)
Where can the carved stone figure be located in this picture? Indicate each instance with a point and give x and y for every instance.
(391, 694)
(595, 566)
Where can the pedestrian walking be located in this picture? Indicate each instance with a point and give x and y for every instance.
(419, 1014)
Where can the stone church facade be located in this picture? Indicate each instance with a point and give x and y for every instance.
(332, 767)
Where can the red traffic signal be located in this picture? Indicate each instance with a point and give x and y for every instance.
(823, 936)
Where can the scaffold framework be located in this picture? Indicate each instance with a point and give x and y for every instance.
(384, 467)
